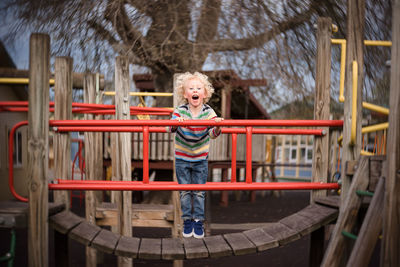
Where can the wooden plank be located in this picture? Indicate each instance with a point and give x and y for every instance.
(128, 247)
(376, 164)
(261, 239)
(62, 111)
(38, 140)
(150, 249)
(64, 221)
(391, 225)
(319, 215)
(299, 224)
(370, 229)
(106, 241)
(334, 254)
(84, 233)
(351, 167)
(13, 220)
(89, 90)
(282, 233)
(122, 160)
(330, 201)
(195, 248)
(240, 244)
(320, 165)
(217, 246)
(354, 52)
(55, 208)
(172, 249)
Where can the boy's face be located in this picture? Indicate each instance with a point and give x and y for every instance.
(194, 92)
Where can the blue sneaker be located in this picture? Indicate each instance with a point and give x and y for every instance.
(198, 231)
(187, 228)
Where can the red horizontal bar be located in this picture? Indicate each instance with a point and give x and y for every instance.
(318, 132)
(10, 106)
(174, 186)
(288, 123)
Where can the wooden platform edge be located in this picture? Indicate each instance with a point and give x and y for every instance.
(255, 240)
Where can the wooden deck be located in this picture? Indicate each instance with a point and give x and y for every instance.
(255, 240)
(14, 214)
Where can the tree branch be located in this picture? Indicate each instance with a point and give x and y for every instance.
(260, 39)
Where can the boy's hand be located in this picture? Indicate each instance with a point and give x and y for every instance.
(218, 128)
(180, 119)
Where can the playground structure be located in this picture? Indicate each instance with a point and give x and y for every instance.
(304, 222)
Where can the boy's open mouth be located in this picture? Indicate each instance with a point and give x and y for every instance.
(195, 97)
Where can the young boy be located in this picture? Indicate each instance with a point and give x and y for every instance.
(192, 145)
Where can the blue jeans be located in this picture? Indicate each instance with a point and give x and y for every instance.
(192, 173)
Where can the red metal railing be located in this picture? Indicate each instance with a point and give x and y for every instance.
(147, 126)
(22, 106)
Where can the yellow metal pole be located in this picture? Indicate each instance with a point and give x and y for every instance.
(375, 128)
(377, 43)
(19, 81)
(354, 104)
(342, 43)
(342, 70)
(376, 108)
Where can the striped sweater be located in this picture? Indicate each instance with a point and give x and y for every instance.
(192, 143)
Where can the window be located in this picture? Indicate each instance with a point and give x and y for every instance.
(309, 155)
(293, 155)
(302, 155)
(17, 153)
(278, 155)
(286, 155)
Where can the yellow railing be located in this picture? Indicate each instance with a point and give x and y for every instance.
(19, 81)
(342, 43)
(354, 105)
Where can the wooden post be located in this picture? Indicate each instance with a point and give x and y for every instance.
(176, 201)
(322, 104)
(320, 165)
(226, 114)
(122, 162)
(62, 145)
(62, 111)
(354, 52)
(38, 139)
(89, 88)
(391, 222)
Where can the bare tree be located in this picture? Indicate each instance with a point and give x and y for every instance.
(256, 38)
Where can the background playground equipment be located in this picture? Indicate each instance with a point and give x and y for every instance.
(38, 205)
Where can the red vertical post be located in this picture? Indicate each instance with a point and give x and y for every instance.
(146, 154)
(249, 131)
(233, 165)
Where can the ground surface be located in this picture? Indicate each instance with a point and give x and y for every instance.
(267, 208)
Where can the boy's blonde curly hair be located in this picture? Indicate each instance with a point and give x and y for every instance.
(183, 78)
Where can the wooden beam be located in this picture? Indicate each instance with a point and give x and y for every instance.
(320, 166)
(122, 162)
(390, 249)
(62, 145)
(354, 52)
(89, 89)
(62, 111)
(38, 139)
